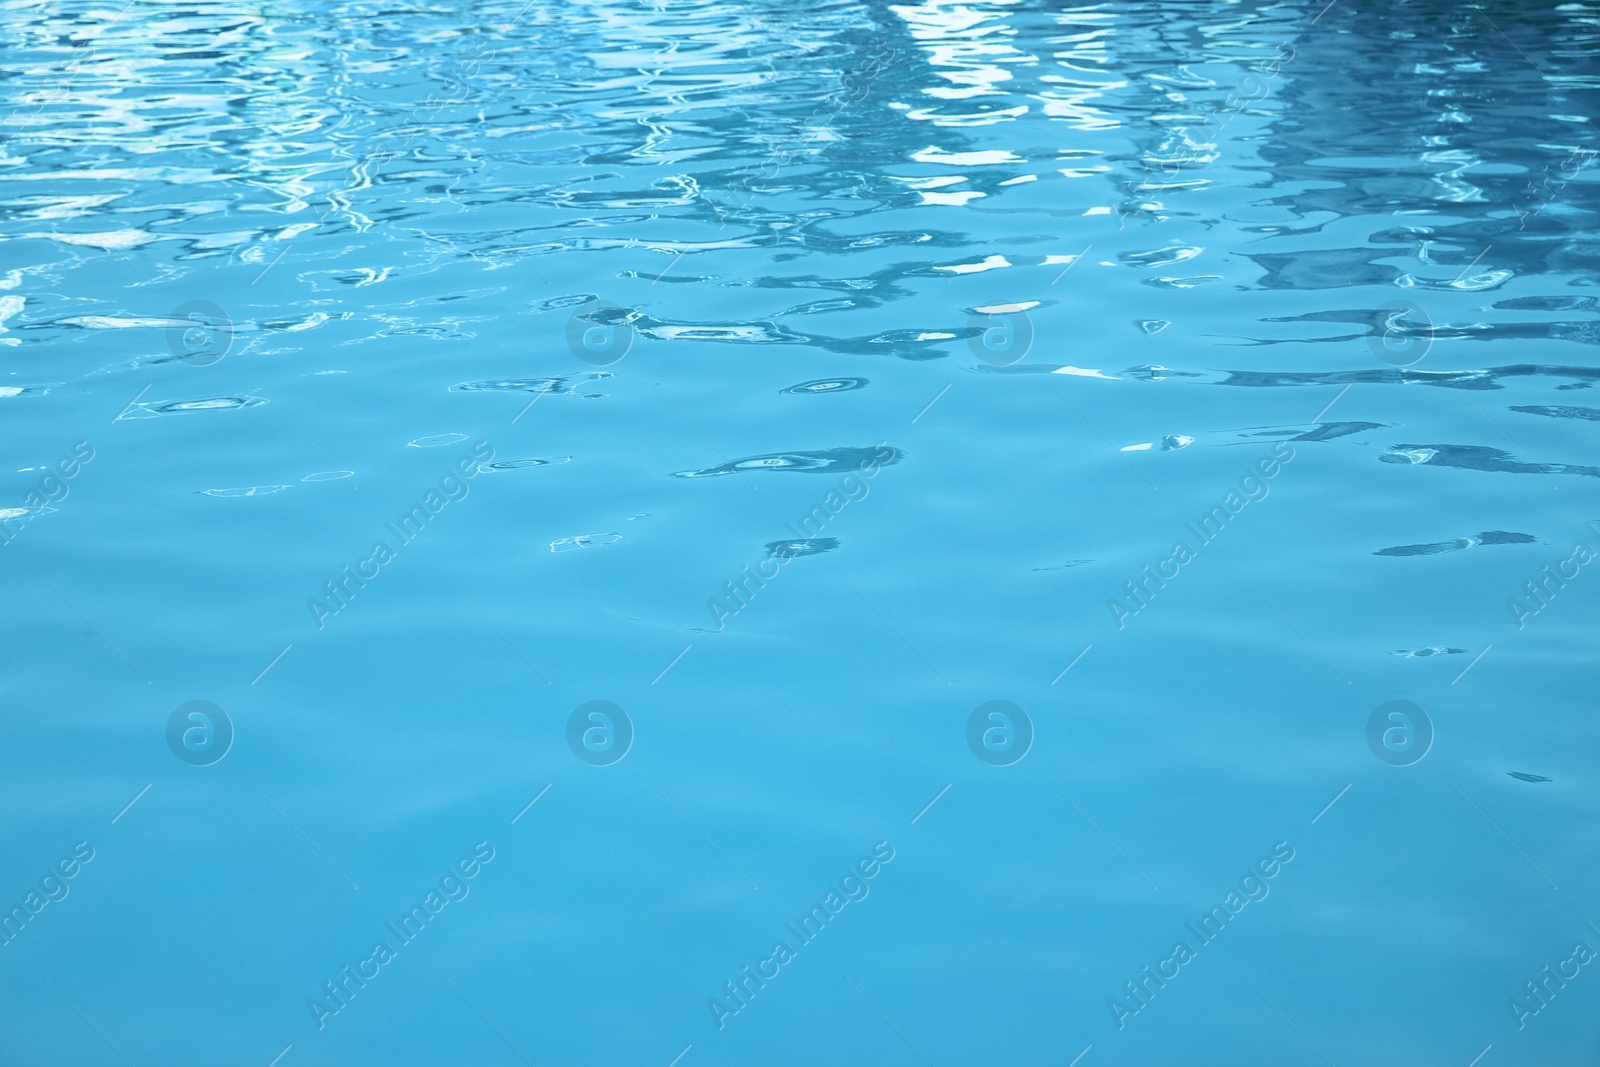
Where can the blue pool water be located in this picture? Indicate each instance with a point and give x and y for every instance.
(732, 532)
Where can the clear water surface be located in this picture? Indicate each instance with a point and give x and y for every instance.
(1211, 384)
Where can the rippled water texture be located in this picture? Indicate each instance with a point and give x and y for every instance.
(730, 532)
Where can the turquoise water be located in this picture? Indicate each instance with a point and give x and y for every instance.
(727, 532)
